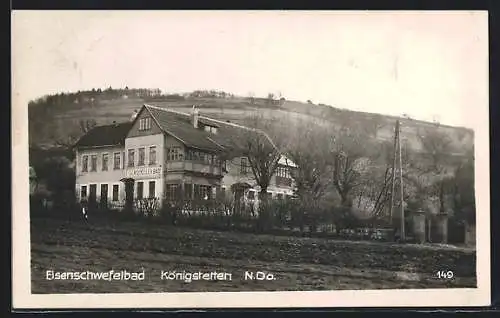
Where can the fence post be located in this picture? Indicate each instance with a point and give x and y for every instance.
(442, 219)
(419, 225)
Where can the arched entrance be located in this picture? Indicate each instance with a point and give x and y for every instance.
(238, 190)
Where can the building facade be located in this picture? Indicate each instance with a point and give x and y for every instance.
(168, 155)
(100, 165)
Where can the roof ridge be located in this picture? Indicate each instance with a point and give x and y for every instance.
(215, 120)
(112, 124)
(229, 123)
(166, 110)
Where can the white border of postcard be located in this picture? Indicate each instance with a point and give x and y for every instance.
(23, 299)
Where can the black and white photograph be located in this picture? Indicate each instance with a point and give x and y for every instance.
(250, 158)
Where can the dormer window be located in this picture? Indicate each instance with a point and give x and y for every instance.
(145, 123)
(211, 129)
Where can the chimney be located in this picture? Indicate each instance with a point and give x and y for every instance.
(134, 115)
(195, 116)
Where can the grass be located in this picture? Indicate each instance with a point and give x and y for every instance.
(297, 263)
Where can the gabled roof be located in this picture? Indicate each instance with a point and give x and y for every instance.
(107, 135)
(179, 125)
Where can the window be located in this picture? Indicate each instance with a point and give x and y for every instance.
(251, 195)
(172, 191)
(188, 191)
(199, 156)
(93, 193)
(104, 193)
(206, 192)
(174, 154)
(85, 163)
(152, 193)
(93, 163)
(211, 129)
(196, 155)
(142, 155)
(203, 192)
(140, 190)
(116, 161)
(283, 176)
(283, 172)
(104, 162)
(83, 192)
(131, 157)
(145, 123)
(116, 189)
(212, 159)
(152, 155)
(243, 166)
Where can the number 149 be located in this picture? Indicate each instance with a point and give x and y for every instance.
(444, 274)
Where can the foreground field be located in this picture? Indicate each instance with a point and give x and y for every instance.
(296, 263)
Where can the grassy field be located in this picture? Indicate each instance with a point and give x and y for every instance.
(296, 263)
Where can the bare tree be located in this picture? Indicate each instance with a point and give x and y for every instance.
(351, 160)
(255, 142)
(86, 125)
(462, 189)
(373, 193)
(434, 160)
(68, 138)
(311, 147)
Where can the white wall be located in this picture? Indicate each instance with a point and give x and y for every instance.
(147, 172)
(99, 177)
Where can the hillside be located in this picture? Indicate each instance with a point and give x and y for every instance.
(56, 117)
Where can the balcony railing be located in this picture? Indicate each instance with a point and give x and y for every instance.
(195, 166)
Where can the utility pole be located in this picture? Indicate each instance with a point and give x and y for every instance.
(393, 172)
(397, 155)
(401, 185)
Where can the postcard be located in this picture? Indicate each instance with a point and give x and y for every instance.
(250, 159)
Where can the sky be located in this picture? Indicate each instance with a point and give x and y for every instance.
(427, 65)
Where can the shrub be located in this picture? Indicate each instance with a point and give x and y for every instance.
(147, 207)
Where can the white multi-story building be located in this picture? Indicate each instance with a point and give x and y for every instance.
(167, 154)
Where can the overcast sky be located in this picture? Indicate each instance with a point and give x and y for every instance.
(430, 66)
